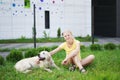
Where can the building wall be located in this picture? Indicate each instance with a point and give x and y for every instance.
(17, 21)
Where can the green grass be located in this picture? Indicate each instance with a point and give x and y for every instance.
(106, 66)
(42, 40)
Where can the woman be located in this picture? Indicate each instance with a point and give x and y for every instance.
(72, 48)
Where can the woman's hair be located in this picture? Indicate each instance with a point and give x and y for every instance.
(68, 31)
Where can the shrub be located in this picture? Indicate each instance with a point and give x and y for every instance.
(1, 60)
(53, 47)
(15, 55)
(82, 48)
(110, 46)
(39, 49)
(33, 31)
(59, 33)
(43, 49)
(45, 34)
(31, 53)
(88, 38)
(95, 47)
(23, 37)
(119, 46)
(4, 49)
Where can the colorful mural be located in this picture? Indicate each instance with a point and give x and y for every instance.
(63, 13)
(15, 5)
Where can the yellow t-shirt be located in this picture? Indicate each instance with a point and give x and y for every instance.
(69, 50)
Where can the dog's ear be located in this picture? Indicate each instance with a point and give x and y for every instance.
(49, 53)
(48, 59)
(39, 55)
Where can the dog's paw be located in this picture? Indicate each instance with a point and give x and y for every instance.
(27, 71)
(58, 68)
(48, 70)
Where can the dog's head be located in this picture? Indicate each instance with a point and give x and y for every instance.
(44, 55)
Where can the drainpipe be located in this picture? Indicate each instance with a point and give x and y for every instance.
(92, 20)
(34, 28)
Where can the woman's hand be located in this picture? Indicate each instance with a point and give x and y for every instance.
(65, 62)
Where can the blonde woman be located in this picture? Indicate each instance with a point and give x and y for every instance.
(72, 49)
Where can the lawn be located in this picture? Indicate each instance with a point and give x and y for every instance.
(42, 40)
(106, 66)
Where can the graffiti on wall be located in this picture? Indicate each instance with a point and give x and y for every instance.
(18, 7)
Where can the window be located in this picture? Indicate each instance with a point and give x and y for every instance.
(27, 3)
(47, 20)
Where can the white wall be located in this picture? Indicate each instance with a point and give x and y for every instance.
(78, 17)
(17, 21)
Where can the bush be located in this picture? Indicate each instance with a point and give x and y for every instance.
(4, 49)
(1, 60)
(119, 46)
(110, 46)
(43, 49)
(31, 53)
(88, 38)
(95, 47)
(53, 47)
(46, 35)
(15, 55)
(59, 33)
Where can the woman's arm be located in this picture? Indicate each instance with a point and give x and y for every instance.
(74, 52)
(51, 53)
(55, 51)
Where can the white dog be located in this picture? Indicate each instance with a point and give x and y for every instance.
(43, 60)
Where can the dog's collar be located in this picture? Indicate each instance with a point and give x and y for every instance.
(40, 58)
